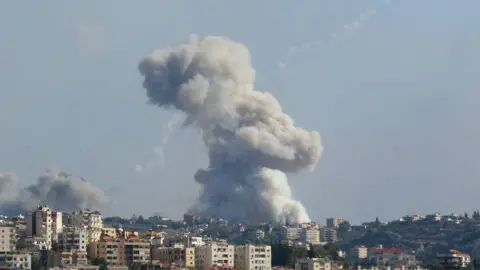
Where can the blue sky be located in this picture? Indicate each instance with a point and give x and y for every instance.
(395, 98)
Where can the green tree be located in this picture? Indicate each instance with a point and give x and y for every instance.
(102, 264)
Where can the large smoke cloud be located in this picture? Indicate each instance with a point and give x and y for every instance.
(59, 190)
(251, 142)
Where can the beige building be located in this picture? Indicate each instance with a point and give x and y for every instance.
(313, 264)
(120, 251)
(251, 257)
(68, 258)
(91, 221)
(218, 253)
(310, 236)
(44, 222)
(8, 238)
(180, 255)
(110, 232)
(359, 252)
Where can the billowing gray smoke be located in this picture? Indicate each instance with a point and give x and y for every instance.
(59, 190)
(251, 142)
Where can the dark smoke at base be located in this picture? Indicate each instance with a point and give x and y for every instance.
(59, 190)
(251, 142)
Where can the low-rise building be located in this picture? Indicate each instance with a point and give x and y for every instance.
(68, 259)
(359, 252)
(454, 259)
(391, 256)
(313, 264)
(16, 260)
(251, 257)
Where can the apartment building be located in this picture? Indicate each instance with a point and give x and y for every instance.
(109, 249)
(44, 222)
(313, 264)
(72, 239)
(359, 252)
(8, 238)
(291, 233)
(120, 251)
(334, 222)
(216, 253)
(91, 221)
(251, 257)
(183, 239)
(328, 235)
(310, 236)
(68, 258)
(16, 260)
(454, 259)
(180, 255)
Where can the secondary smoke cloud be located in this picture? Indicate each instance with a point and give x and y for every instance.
(59, 190)
(250, 141)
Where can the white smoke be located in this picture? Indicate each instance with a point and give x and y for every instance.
(158, 151)
(332, 39)
(251, 141)
(59, 190)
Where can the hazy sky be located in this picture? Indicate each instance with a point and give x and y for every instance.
(395, 96)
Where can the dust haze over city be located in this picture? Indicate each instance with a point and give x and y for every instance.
(368, 108)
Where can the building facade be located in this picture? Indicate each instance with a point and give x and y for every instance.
(310, 236)
(328, 235)
(91, 221)
(313, 264)
(180, 255)
(44, 222)
(251, 257)
(214, 254)
(16, 260)
(8, 238)
(72, 239)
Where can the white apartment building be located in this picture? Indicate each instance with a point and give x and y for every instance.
(16, 260)
(310, 236)
(214, 254)
(72, 239)
(8, 238)
(454, 259)
(44, 222)
(251, 257)
(91, 221)
(313, 264)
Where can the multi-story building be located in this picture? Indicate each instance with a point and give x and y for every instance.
(44, 222)
(310, 236)
(72, 239)
(16, 260)
(120, 251)
(313, 264)
(217, 253)
(68, 259)
(250, 257)
(334, 222)
(180, 255)
(328, 234)
(8, 238)
(91, 221)
(393, 257)
(255, 234)
(359, 252)
(109, 249)
(33, 243)
(291, 233)
(183, 239)
(454, 259)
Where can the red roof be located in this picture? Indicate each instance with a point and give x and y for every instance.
(386, 250)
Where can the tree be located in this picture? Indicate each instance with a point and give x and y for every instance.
(466, 215)
(102, 264)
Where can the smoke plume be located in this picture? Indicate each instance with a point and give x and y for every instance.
(59, 190)
(251, 143)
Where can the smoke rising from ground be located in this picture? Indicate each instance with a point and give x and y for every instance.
(59, 190)
(251, 143)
